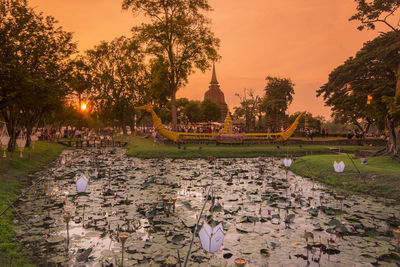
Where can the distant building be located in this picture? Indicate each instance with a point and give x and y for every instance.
(215, 94)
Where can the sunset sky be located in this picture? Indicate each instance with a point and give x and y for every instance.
(300, 40)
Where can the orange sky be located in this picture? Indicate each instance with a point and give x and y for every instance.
(300, 40)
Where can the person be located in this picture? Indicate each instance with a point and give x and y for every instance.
(349, 134)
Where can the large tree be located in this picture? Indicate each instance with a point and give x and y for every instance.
(34, 56)
(369, 14)
(179, 33)
(278, 96)
(359, 89)
(119, 79)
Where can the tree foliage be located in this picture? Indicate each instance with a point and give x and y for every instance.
(177, 33)
(369, 13)
(211, 111)
(119, 79)
(278, 96)
(248, 109)
(34, 55)
(372, 72)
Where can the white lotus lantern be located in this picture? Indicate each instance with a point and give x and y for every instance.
(287, 162)
(339, 167)
(21, 142)
(211, 238)
(4, 139)
(81, 184)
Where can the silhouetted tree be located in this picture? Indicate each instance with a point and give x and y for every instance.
(178, 33)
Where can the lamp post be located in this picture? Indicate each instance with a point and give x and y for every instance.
(123, 238)
(396, 233)
(67, 218)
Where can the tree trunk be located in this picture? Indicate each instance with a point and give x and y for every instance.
(11, 128)
(123, 126)
(173, 109)
(393, 133)
(393, 125)
(28, 136)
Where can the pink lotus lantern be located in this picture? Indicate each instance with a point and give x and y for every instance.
(4, 139)
(339, 167)
(21, 142)
(287, 162)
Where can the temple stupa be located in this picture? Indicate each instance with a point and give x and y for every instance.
(215, 94)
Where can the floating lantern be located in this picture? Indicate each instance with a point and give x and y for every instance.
(287, 162)
(211, 238)
(81, 184)
(4, 139)
(240, 262)
(339, 167)
(21, 142)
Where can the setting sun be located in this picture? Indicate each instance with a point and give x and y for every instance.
(83, 106)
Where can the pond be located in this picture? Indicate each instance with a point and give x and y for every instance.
(270, 216)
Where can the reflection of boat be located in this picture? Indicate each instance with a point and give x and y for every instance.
(225, 135)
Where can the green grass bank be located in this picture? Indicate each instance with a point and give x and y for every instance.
(145, 148)
(380, 177)
(12, 180)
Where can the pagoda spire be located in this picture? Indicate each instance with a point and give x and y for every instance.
(214, 76)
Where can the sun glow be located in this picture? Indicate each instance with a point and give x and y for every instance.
(83, 106)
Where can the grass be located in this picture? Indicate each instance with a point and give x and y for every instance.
(12, 179)
(381, 177)
(146, 148)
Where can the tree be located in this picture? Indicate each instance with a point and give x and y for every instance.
(278, 96)
(370, 13)
(158, 88)
(80, 80)
(119, 79)
(193, 111)
(358, 90)
(34, 56)
(210, 110)
(313, 122)
(248, 109)
(178, 33)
